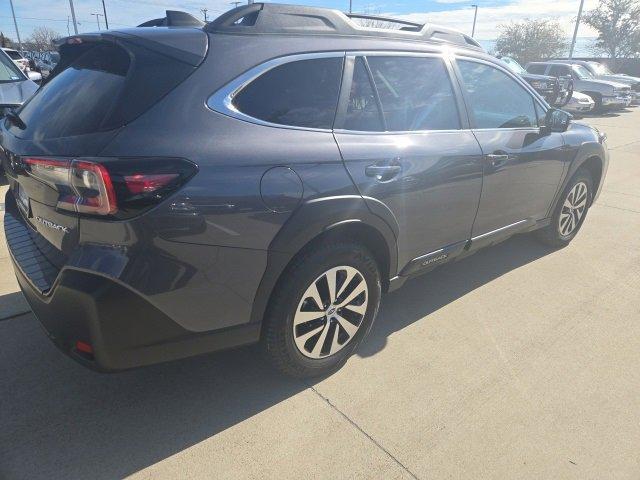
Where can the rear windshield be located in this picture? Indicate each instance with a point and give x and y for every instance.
(104, 88)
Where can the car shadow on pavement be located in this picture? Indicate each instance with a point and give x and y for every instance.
(60, 420)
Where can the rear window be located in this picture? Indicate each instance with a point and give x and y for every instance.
(104, 88)
(302, 93)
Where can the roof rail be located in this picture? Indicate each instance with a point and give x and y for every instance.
(174, 18)
(275, 18)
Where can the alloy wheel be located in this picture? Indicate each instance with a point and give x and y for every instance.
(573, 209)
(330, 312)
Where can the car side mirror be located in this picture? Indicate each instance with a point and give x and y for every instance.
(556, 121)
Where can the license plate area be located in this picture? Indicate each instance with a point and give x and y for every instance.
(22, 199)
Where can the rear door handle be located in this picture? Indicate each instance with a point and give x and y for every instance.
(497, 159)
(382, 172)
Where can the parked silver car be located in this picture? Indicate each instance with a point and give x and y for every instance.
(605, 93)
(602, 71)
(579, 103)
(15, 87)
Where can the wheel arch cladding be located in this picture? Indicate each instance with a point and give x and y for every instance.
(345, 217)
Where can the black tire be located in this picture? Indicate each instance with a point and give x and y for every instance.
(278, 340)
(552, 234)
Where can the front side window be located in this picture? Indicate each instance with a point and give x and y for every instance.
(301, 93)
(415, 93)
(559, 70)
(497, 100)
(537, 69)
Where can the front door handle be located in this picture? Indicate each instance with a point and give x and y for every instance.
(497, 159)
(382, 172)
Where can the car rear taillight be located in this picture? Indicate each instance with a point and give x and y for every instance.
(118, 187)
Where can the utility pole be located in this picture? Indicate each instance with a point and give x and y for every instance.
(68, 31)
(98, 15)
(104, 9)
(235, 4)
(350, 6)
(575, 31)
(204, 12)
(475, 16)
(15, 24)
(73, 15)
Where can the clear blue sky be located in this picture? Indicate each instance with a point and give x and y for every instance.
(454, 13)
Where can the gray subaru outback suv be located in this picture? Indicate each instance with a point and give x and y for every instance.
(266, 177)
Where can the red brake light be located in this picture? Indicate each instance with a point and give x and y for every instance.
(119, 187)
(141, 183)
(84, 186)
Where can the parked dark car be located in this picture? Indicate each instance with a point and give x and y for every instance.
(266, 177)
(556, 91)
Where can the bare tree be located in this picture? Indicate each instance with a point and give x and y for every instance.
(531, 40)
(618, 25)
(5, 42)
(41, 40)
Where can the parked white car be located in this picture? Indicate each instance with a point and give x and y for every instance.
(579, 103)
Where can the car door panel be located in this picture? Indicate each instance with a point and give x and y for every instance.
(522, 186)
(523, 165)
(434, 196)
(418, 161)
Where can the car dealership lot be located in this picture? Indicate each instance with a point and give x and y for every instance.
(517, 362)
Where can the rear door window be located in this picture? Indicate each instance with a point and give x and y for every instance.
(9, 72)
(415, 93)
(362, 112)
(497, 100)
(302, 93)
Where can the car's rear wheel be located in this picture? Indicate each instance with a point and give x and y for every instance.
(570, 212)
(322, 308)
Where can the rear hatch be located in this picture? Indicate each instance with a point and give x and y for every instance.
(52, 145)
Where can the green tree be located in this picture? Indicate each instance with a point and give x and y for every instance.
(531, 40)
(618, 25)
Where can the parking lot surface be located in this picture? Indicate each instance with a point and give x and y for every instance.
(517, 362)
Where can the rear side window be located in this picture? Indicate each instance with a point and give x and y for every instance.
(362, 111)
(301, 93)
(496, 99)
(536, 69)
(104, 88)
(415, 93)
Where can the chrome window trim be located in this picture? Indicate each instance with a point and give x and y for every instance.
(221, 101)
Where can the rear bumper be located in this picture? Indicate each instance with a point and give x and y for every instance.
(123, 327)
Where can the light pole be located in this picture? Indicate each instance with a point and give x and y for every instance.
(350, 6)
(98, 15)
(106, 21)
(475, 16)
(575, 31)
(15, 24)
(204, 12)
(73, 16)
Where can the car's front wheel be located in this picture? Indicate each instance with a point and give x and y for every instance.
(322, 308)
(570, 211)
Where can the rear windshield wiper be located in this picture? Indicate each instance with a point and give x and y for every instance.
(14, 118)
